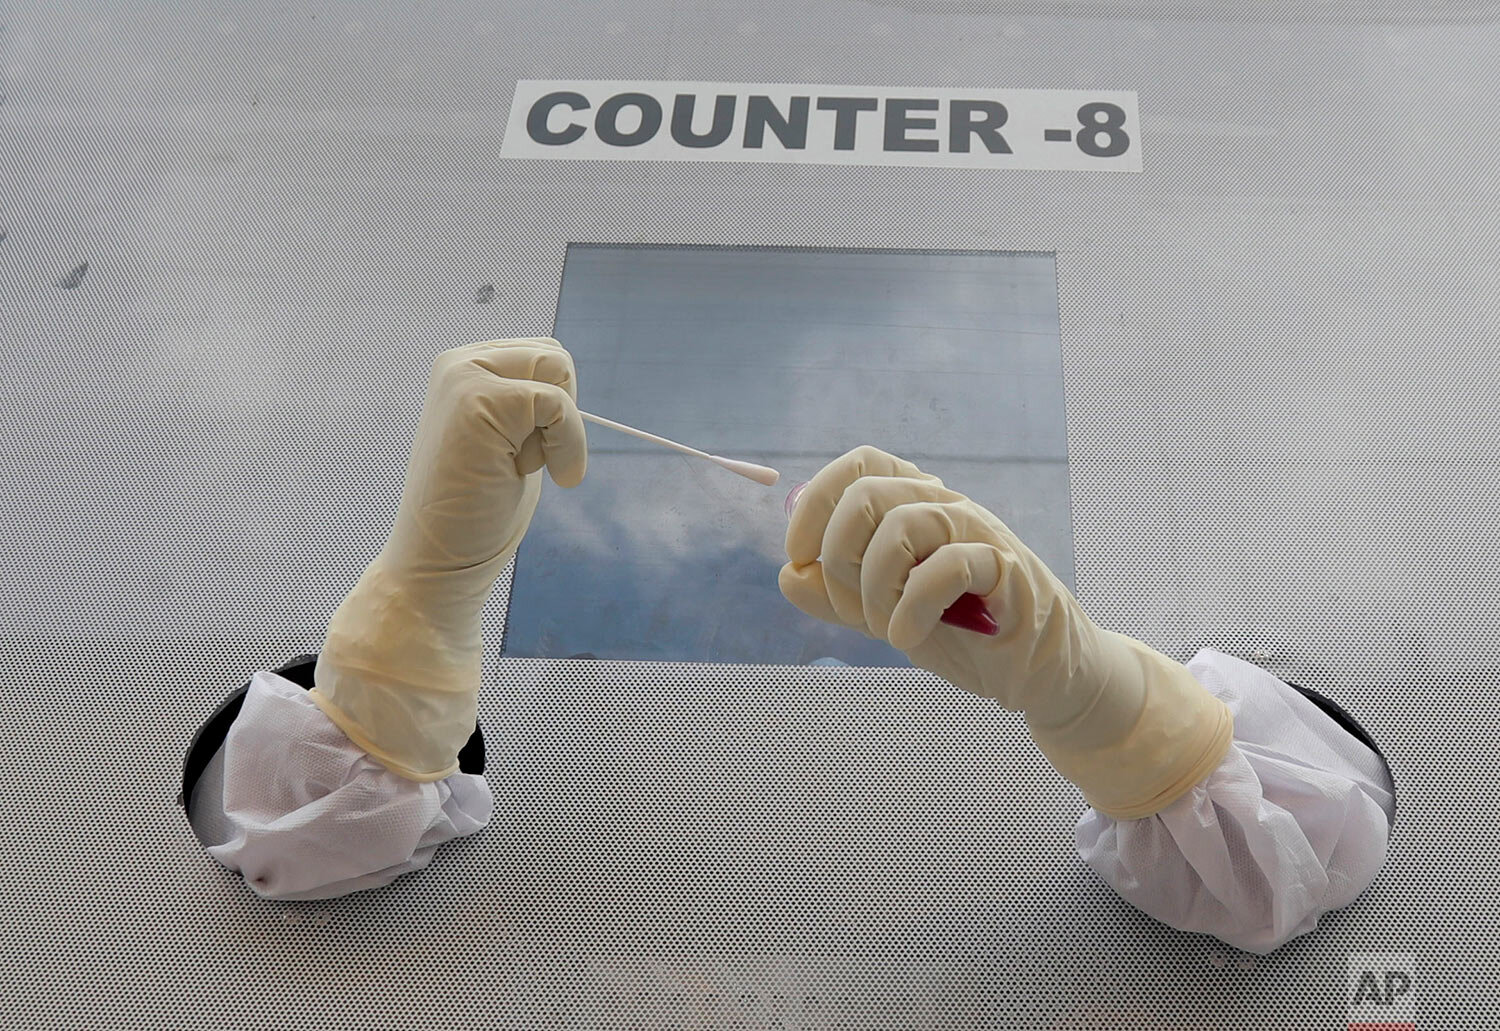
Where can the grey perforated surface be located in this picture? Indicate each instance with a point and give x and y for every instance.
(1279, 353)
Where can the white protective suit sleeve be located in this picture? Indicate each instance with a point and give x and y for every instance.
(304, 813)
(1293, 823)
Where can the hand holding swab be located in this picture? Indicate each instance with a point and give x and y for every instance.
(749, 470)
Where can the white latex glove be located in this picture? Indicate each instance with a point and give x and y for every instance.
(399, 671)
(1129, 726)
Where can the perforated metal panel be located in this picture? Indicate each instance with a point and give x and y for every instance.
(231, 239)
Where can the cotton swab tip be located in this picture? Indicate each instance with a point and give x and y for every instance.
(762, 474)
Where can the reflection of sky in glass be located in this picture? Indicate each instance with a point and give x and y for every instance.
(788, 358)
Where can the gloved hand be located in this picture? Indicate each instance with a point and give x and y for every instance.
(1129, 726)
(400, 669)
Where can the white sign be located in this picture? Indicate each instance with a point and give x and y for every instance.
(1073, 130)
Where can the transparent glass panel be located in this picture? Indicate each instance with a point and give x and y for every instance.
(785, 357)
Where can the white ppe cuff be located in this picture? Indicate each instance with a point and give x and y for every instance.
(1292, 824)
(293, 805)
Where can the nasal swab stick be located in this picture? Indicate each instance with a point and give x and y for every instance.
(763, 474)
